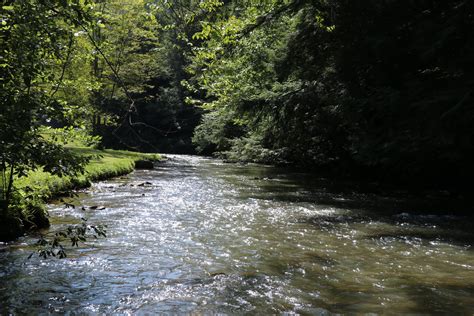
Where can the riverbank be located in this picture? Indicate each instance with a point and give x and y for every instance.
(40, 187)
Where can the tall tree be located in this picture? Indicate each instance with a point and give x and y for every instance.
(36, 39)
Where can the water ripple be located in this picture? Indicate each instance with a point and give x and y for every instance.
(199, 236)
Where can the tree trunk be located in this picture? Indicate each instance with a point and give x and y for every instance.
(10, 187)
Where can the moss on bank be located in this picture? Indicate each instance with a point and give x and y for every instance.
(39, 187)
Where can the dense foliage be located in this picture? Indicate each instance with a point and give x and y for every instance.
(140, 101)
(378, 87)
(36, 42)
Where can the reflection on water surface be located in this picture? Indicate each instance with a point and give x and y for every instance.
(210, 237)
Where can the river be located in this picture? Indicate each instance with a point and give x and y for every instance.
(196, 235)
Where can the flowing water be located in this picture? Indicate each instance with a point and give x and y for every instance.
(199, 236)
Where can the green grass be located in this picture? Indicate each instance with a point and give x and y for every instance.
(105, 164)
(28, 210)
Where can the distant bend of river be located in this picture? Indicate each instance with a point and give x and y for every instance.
(196, 235)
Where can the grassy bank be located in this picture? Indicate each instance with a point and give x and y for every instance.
(39, 187)
(105, 164)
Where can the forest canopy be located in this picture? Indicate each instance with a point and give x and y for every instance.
(379, 88)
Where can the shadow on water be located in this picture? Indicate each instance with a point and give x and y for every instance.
(451, 217)
(450, 229)
(419, 299)
(425, 298)
(276, 183)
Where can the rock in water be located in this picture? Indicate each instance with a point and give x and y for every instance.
(10, 228)
(144, 164)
